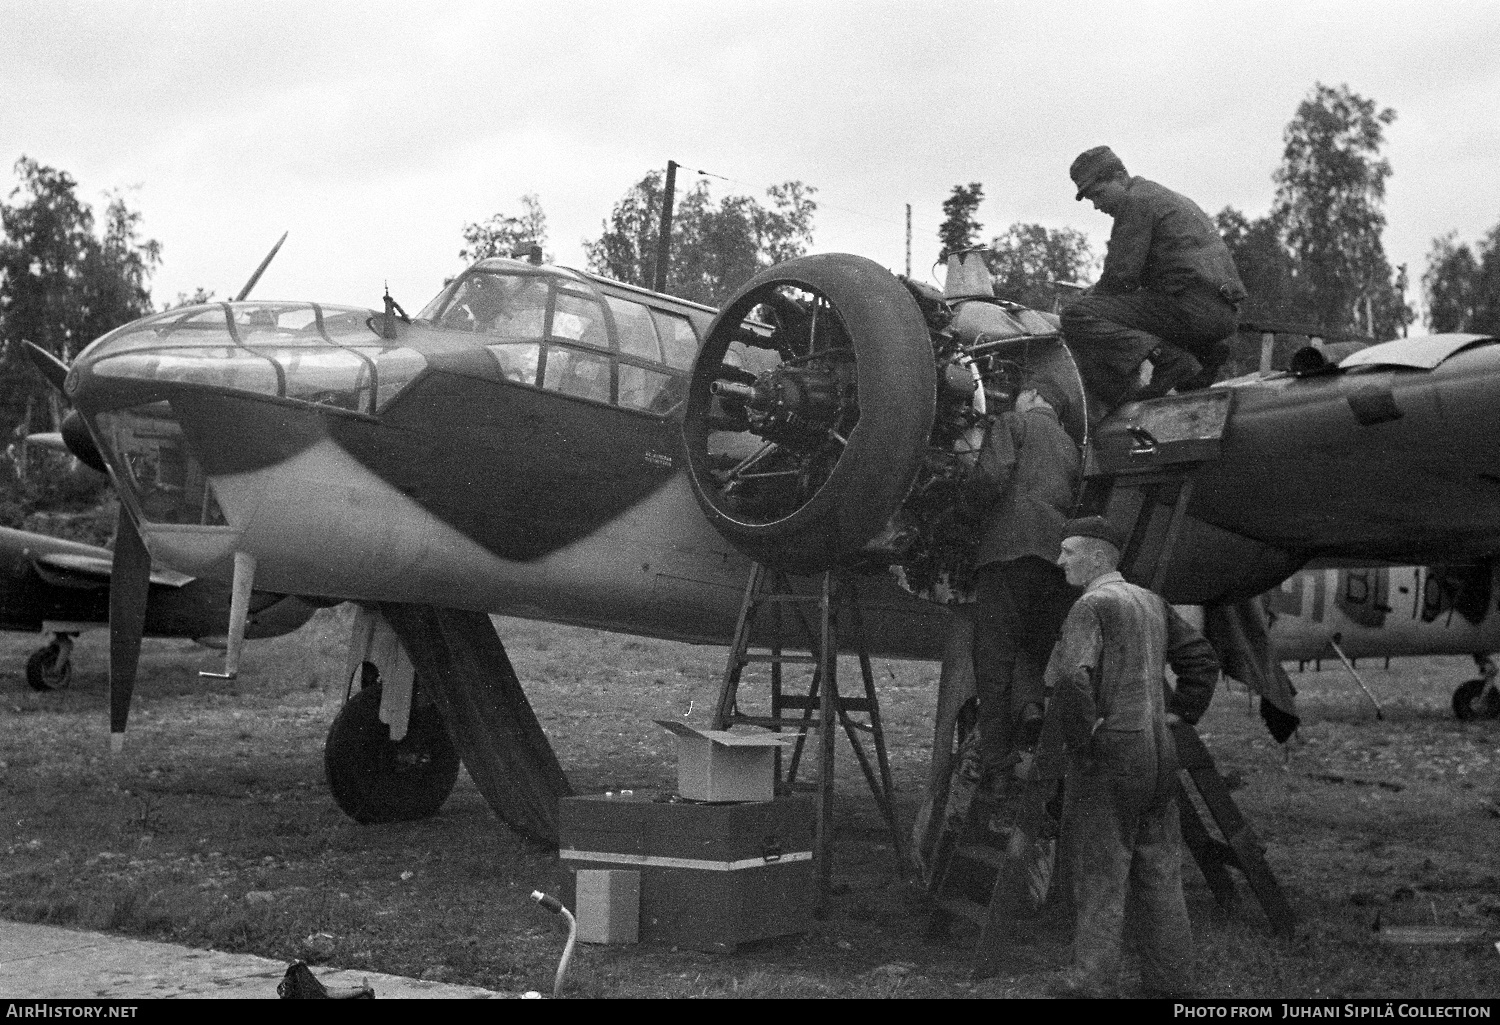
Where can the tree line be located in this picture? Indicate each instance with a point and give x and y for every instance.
(66, 277)
(715, 247)
(1315, 258)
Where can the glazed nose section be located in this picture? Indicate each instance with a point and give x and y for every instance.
(306, 352)
(156, 393)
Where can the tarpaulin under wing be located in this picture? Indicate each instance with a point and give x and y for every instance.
(1238, 632)
(462, 666)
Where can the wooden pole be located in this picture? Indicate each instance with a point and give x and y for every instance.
(908, 240)
(664, 232)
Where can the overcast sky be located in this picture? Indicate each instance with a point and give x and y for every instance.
(374, 132)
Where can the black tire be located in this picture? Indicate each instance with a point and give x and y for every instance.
(374, 780)
(49, 669)
(1466, 703)
(845, 495)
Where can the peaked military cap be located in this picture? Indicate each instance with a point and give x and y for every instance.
(1095, 526)
(1094, 165)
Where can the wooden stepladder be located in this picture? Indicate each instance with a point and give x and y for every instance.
(976, 879)
(774, 629)
(1240, 848)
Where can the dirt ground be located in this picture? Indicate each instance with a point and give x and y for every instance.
(216, 829)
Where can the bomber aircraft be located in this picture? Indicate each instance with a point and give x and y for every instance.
(61, 588)
(1391, 611)
(547, 443)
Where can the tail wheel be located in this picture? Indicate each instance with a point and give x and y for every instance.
(810, 410)
(50, 667)
(1468, 703)
(375, 779)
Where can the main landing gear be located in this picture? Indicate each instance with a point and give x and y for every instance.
(1479, 699)
(50, 667)
(375, 779)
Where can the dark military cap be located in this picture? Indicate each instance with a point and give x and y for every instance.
(1094, 165)
(1095, 526)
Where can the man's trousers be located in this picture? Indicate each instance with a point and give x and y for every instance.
(1121, 833)
(1019, 607)
(1111, 334)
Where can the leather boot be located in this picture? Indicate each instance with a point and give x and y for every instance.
(1170, 368)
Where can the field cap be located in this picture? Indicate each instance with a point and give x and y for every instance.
(1093, 165)
(1095, 526)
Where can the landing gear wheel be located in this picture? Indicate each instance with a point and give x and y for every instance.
(1467, 703)
(50, 667)
(806, 465)
(376, 780)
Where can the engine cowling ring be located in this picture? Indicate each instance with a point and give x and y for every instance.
(817, 495)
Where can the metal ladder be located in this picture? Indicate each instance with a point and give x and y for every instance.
(822, 709)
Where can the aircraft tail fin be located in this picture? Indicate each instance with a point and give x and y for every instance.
(462, 665)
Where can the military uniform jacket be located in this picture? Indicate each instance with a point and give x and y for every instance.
(1026, 480)
(1163, 242)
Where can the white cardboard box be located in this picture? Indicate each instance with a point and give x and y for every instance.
(725, 765)
(608, 905)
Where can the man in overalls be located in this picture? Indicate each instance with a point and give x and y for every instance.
(1111, 710)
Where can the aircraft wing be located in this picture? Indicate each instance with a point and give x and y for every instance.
(1420, 353)
(67, 569)
(50, 440)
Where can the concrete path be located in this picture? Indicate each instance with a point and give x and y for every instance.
(45, 962)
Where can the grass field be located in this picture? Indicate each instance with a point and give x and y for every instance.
(216, 829)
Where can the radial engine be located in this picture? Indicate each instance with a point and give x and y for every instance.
(836, 411)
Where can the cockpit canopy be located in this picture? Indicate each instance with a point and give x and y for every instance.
(577, 335)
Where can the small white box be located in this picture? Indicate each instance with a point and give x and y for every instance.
(725, 765)
(609, 905)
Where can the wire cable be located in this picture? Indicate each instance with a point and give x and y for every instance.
(555, 906)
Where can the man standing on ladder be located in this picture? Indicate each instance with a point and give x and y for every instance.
(1111, 709)
(1026, 478)
(1169, 292)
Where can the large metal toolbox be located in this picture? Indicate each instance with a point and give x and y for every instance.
(713, 876)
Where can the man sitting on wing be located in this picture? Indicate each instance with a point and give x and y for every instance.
(1169, 292)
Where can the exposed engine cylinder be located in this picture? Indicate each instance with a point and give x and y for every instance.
(835, 411)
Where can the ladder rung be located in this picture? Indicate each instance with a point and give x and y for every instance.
(771, 722)
(964, 908)
(979, 852)
(783, 596)
(841, 704)
(806, 659)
